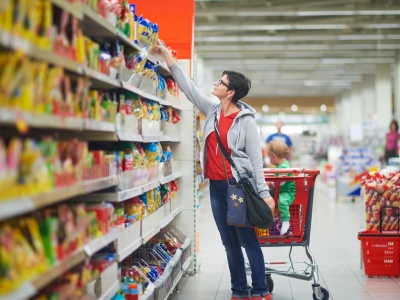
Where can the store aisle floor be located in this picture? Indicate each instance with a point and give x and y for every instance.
(333, 244)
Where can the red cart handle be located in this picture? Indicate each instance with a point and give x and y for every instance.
(294, 171)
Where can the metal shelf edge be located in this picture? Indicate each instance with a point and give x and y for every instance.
(99, 20)
(186, 265)
(18, 206)
(164, 222)
(95, 125)
(148, 235)
(130, 249)
(93, 185)
(99, 243)
(58, 269)
(151, 185)
(74, 10)
(111, 291)
(176, 212)
(130, 193)
(93, 74)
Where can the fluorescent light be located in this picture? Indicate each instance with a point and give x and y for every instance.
(381, 26)
(294, 107)
(330, 61)
(265, 108)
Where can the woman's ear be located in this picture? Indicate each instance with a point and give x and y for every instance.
(231, 93)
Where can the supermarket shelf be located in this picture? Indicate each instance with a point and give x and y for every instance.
(174, 284)
(129, 240)
(164, 222)
(175, 138)
(74, 10)
(101, 242)
(151, 226)
(15, 207)
(13, 42)
(10, 117)
(98, 126)
(59, 269)
(129, 250)
(131, 137)
(176, 211)
(93, 185)
(127, 41)
(145, 95)
(111, 291)
(186, 265)
(149, 186)
(169, 138)
(30, 288)
(101, 80)
(151, 138)
(122, 195)
(171, 177)
(95, 25)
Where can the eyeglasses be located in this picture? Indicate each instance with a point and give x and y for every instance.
(223, 83)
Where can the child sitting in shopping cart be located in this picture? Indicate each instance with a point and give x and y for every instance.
(278, 152)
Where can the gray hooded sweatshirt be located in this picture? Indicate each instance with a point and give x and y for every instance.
(243, 141)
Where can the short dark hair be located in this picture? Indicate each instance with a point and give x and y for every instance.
(239, 83)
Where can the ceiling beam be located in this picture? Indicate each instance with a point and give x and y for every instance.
(235, 27)
(212, 37)
(366, 10)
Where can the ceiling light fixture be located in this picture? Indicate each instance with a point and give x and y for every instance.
(265, 108)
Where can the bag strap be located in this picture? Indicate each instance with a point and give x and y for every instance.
(228, 157)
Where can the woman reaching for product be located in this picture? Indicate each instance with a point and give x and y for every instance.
(238, 133)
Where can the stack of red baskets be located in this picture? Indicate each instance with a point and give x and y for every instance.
(381, 251)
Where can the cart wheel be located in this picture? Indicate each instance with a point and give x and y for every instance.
(325, 294)
(269, 282)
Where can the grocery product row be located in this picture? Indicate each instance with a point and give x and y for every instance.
(36, 173)
(61, 249)
(40, 77)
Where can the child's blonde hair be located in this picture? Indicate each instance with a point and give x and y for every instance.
(278, 148)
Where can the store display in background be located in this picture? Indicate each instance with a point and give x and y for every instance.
(353, 163)
(382, 192)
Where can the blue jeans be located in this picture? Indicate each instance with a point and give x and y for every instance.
(233, 238)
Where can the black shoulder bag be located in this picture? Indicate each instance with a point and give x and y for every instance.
(245, 207)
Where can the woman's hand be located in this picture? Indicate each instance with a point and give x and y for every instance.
(160, 49)
(270, 202)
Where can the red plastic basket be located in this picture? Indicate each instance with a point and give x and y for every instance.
(381, 253)
(305, 181)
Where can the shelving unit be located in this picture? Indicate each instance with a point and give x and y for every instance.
(131, 238)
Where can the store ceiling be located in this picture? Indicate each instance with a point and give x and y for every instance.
(304, 48)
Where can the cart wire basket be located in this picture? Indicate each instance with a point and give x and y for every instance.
(298, 234)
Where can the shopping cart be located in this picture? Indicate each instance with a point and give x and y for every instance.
(299, 231)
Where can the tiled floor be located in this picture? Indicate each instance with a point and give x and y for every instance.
(333, 243)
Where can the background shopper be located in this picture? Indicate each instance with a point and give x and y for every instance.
(392, 141)
(238, 133)
(279, 135)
